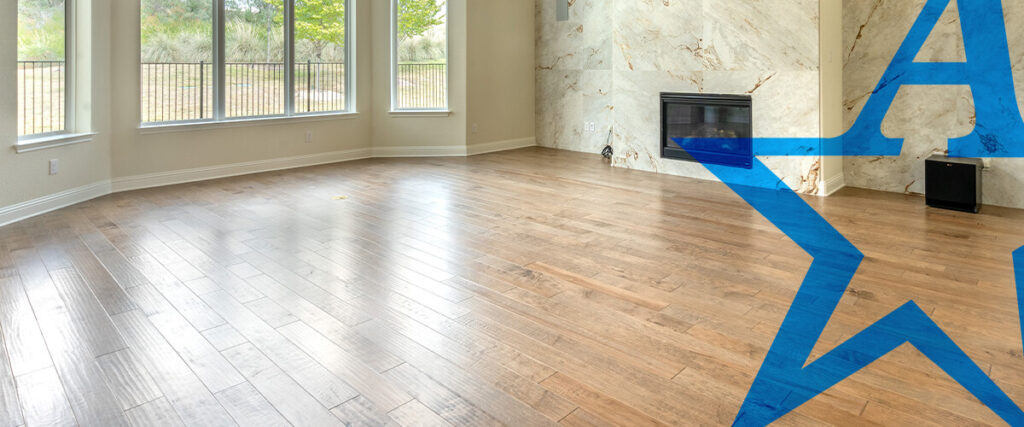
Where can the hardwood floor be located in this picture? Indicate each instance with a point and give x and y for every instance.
(530, 287)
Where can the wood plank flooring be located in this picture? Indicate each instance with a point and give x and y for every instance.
(526, 288)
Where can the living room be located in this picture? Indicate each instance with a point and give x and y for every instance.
(455, 212)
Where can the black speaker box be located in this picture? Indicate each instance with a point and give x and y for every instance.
(953, 183)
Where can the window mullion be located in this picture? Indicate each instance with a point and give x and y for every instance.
(289, 57)
(349, 69)
(70, 80)
(219, 60)
(394, 55)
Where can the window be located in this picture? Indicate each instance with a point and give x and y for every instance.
(43, 67)
(419, 55)
(177, 60)
(209, 60)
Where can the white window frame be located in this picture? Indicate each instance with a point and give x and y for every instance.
(219, 78)
(394, 67)
(69, 84)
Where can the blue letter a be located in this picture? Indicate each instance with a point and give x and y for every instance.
(999, 131)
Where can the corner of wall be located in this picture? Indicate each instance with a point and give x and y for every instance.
(830, 23)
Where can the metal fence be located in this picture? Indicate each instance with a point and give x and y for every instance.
(177, 91)
(422, 86)
(253, 89)
(319, 87)
(184, 91)
(41, 97)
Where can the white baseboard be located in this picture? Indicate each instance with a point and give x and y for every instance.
(509, 144)
(424, 151)
(834, 184)
(39, 206)
(51, 202)
(223, 171)
(453, 150)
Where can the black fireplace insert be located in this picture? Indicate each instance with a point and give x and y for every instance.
(716, 129)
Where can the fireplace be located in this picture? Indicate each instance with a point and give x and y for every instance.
(716, 129)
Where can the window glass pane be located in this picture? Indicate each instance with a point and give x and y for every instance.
(319, 56)
(422, 78)
(254, 58)
(177, 60)
(41, 66)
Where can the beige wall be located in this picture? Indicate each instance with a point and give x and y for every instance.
(501, 71)
(26, 176)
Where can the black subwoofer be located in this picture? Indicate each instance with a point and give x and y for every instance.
(952, 183)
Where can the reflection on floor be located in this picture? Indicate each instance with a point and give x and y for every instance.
(521, 288)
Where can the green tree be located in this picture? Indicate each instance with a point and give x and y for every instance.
(319, 22)
(415, 17)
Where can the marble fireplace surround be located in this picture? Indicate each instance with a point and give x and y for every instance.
(611, 60)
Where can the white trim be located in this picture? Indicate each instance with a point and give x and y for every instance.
(394, 59)
(39, 206)
(419, 113)
(351, 56)
(157, 128)
(453, 150)
(51, 202)
(423, 151)
(289, 57)
(71, 82)
(59, 140)
(510, 144)
(161, 179)
(834, 184)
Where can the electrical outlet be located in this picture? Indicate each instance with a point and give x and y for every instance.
(54, 163)
(475, 128)
(309, 137)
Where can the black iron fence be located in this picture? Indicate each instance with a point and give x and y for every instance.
(177, 91)
(422, 86)
(253, 89)
(319, 87)
(184, 91)
(41, 97)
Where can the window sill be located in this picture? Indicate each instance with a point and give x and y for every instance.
(420, 113)
(233, 123)
(52, 141)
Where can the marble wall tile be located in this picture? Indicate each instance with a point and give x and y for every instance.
(927, 117)
(659, 36)
(777, 35)
(584, 42)
(598, 106)
(559, 109)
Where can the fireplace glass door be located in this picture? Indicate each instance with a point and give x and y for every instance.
(713, 129)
